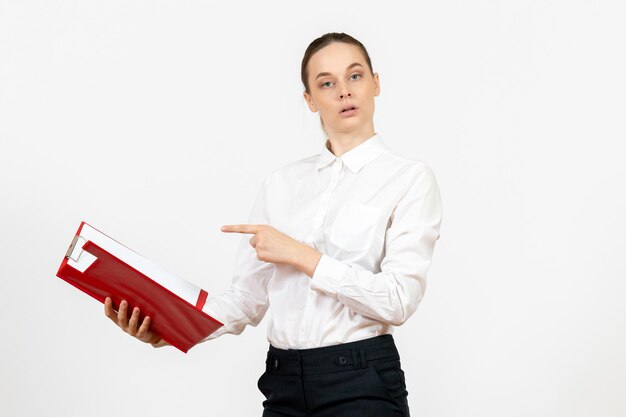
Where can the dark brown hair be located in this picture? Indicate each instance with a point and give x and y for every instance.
(321, 42)
(318, 44)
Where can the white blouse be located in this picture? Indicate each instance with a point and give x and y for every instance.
(374, 215)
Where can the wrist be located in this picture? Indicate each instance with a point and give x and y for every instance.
(306, 259)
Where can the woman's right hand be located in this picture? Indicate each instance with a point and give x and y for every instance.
(130, 326)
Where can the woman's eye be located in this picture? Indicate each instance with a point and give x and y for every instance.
(327, 83)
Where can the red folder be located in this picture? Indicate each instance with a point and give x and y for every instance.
(101, 266)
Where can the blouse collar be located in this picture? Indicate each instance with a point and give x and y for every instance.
(357, 157)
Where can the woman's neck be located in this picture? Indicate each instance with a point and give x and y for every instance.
(341, 143)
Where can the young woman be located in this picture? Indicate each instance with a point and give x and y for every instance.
(340, 246)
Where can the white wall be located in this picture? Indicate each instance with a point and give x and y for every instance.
(156, 121)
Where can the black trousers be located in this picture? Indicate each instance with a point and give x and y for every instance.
(357, 379)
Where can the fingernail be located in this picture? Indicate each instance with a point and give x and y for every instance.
(123, 303)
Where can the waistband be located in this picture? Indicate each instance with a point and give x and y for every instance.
(345, 356)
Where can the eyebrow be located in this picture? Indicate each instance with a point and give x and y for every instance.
(354, 64)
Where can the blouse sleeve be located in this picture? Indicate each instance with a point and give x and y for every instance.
(246, 301)
(392, 295)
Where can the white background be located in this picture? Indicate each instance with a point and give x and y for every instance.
(156, 121)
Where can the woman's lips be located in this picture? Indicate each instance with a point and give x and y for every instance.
(348, 113)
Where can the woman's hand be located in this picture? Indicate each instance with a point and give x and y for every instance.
(276, 247)
(130, 326)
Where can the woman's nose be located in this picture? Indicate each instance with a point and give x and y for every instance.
(344, 88)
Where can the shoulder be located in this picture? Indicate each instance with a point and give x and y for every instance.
(410, 168)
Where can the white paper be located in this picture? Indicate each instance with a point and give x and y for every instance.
(81, 259)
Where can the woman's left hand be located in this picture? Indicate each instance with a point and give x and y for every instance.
(276, 247)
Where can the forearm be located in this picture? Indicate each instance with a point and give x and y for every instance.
(388, 296)
(238, 307)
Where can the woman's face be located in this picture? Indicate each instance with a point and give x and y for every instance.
(338, 76)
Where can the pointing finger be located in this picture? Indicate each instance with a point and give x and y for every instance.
(240, 228)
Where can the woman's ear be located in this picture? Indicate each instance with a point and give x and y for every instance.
(376, 85)
(309, 102)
